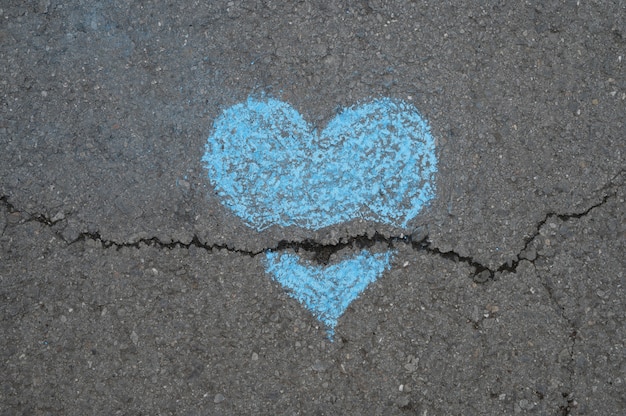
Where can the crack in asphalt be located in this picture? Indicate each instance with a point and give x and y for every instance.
(566, 393)
(323, 252)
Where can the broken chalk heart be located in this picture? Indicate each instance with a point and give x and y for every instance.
(374, 161)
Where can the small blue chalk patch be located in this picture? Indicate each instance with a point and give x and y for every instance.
(327, 291)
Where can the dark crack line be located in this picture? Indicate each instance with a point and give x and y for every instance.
(156, 242)
(565, 409)
(567, 395)
(323, 252)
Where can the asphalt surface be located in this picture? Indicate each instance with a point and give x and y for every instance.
(127, 288)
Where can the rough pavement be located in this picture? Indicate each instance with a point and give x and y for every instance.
(127, 288)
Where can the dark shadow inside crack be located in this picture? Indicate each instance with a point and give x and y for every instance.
(322, 253)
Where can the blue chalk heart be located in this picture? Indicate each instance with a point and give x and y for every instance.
(374, 161)
(327, 291)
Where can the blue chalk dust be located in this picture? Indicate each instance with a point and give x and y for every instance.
(327, 291)
(374, 161)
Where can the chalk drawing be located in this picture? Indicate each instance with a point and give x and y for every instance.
(327, 291)
(375, 161)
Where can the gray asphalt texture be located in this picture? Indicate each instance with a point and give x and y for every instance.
(127, 289)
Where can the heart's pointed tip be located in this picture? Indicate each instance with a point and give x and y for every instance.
(330, 334)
